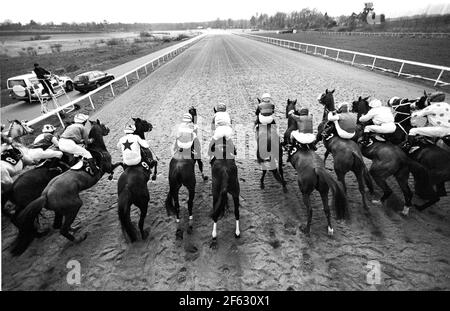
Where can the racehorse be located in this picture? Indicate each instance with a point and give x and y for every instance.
(193, 113)
(390, 160)
(346, 157)
(224, 180)
(292, 125)
(402, 115)
(132, 187)
(62, 194)
(327, 100)
(269, 152)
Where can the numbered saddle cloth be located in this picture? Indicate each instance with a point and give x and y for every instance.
(83, 165)
(12, 156)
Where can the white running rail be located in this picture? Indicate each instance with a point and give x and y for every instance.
(156, 61)
(315, 49)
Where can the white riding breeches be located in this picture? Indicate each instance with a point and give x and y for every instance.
(69, 146)
(38, 154)
(223, 131)
(303, 138)
(384, 128)
(430, 131)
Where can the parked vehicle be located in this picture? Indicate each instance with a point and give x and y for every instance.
(25, 87)
(91, 80)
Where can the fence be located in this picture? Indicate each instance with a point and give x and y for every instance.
(315, 50)
(383, 34)
(153, 63)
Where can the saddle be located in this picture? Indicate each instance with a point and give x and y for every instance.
(12, 156)
(416, 143)
(85, 166)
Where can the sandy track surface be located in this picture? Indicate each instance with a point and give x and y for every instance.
(272, 253)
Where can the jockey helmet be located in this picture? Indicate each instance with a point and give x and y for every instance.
(266, 97)
(187, 117)
(129, 129)
(221, 107)
(48, 128)
(374, 103)
(80, 118)
(392, 100)
(304, 112)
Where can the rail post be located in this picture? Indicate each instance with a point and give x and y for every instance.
(137, 74)
(373, 64)
(439, 77)
(353, 60)
(112, 90)
(337, 56)
(126, 80)
(401, 68)
(92, 104)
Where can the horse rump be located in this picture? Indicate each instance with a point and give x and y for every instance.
(25, 223)
(124, 207)
(423, 186)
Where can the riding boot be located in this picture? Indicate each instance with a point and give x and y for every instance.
(446, 140)
(366, 140)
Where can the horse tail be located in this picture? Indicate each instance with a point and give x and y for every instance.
(170, 206)
(339, 198)
(222, 186)
(359, 160)
(25, 223)
(124, 204)
(423, 186)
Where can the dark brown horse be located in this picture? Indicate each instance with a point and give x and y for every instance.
(62, 194)
(390, 160)
(132, 186)
(269, 151)
(224, 180)
(292, 124)
(312, 175)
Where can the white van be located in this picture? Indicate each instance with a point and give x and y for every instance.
(23, 87)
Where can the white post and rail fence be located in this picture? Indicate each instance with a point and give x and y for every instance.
(352, 55)
(153, 63)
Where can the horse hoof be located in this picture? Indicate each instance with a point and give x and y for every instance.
(237, 236)
(42, 233)
(190, 230)
(305, 230)
(154, 177)
(213, 244)
(330, 231)
(145, 235)
(285, 190)
(405, 211)
(179, 235)
(262, 186)
(110, 177)
(376, 201)
(81, 239)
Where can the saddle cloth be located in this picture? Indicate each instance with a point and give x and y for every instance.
(83, 165)
(12, 156)
(265, 119)
(303, 138)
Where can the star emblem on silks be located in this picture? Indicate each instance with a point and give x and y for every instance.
(127, 145)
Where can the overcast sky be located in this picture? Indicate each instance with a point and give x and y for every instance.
(131, 11)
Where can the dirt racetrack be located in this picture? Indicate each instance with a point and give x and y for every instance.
(272, 253)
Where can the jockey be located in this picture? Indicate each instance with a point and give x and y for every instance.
(74, 136)
(304, 133)
(186, 137)
(382, 118)
(222, 129)
(265, 110)
(344, 122)
(438, 117)
(130, 144)
(44, 141)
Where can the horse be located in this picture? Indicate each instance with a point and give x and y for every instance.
(224, 180)
(132, 187)
(29, 185)
(311, 174)
(62, 194)
(402, 114)
(390, 160)
(327, 100)
(193, 112)
(269, 152)
(346, 157)
(17, 129)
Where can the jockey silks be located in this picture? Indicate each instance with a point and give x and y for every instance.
(304, 123)
(130, 145)
(345, 121)
(438, 116)
(44, 141)
(266, 108)
(76, 132)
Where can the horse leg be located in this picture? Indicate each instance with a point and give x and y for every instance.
(440, 188)
(190, 207)
(361, 186)
(68, 220)
(380, 180)
(323, 189)
(143, 207)
(213, 243)
(327, 153)
(200, 167)
(155, 171)
(237, 233)
(57, 221)
(341, 177)
(307, 201)
(402, 180)
(179, 231)
(261, 182)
